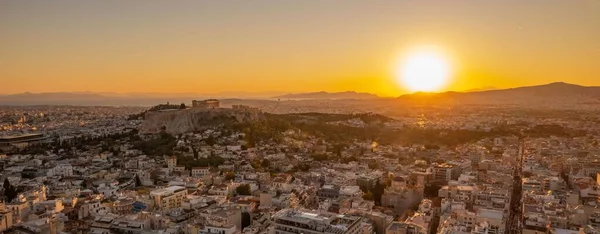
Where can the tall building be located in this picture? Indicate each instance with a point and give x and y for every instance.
(171, 163)
(446, 172)
(169, 198)
(402, 196)
(6, 219)
(366, 182)
(296, 221)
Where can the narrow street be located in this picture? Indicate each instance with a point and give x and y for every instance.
(514, 221)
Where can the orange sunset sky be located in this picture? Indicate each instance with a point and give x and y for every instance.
(291, 46)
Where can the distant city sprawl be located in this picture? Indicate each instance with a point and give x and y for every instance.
(225, 168)
(300, 117)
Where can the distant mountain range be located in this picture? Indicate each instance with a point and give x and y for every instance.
(328, 95)
(120, 99)
(82, 99)
(149, 99)
(488, 88)
(551, 94)
(558, 93)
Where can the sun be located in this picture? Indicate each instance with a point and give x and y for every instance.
(423, 71)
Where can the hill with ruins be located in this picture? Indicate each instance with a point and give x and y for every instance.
(200, 117)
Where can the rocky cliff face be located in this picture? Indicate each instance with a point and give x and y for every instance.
(191, 120)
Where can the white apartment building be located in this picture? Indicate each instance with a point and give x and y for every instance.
(463, 221)
(200, 171)
(51, 205)
(532, 185)
(446, 172)
(296, 221)
(218, 229)
(457, 192)
(64, 170)
(491, 198)
(222, 190)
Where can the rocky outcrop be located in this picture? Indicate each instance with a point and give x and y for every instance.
(192, 120)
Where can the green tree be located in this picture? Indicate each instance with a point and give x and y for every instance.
(320, 157)
(378, 191)
(6, 185)
(155, 176)
(265, 163)
(256, 164)
(246, 220)
(373, 165)
(348, 159)
(304, 167)
(368, 196)
(182, 106)
(210, 140)
(431, 190)
(337, 149)
(138, 182)
(157, 147)
(229, 176)
(243, 189)
(10, 192)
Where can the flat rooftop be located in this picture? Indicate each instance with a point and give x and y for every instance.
(395, 226)
(167, 191)
(336, 220)
(445, 165)
(490, 214)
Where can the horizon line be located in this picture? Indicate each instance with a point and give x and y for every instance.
(282, 93)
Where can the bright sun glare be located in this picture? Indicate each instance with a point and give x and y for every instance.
(423, 71)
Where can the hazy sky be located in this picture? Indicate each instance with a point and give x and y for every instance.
(293, 46)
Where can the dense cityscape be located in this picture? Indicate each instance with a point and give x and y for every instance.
(300, 117)
(212, 169)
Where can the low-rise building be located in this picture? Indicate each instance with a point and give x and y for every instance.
(296, 221)
(200, 171)
(404, 228)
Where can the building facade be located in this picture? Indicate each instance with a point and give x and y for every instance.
(296, 221)
(200, 171)
(169, 198)
(446, 172)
